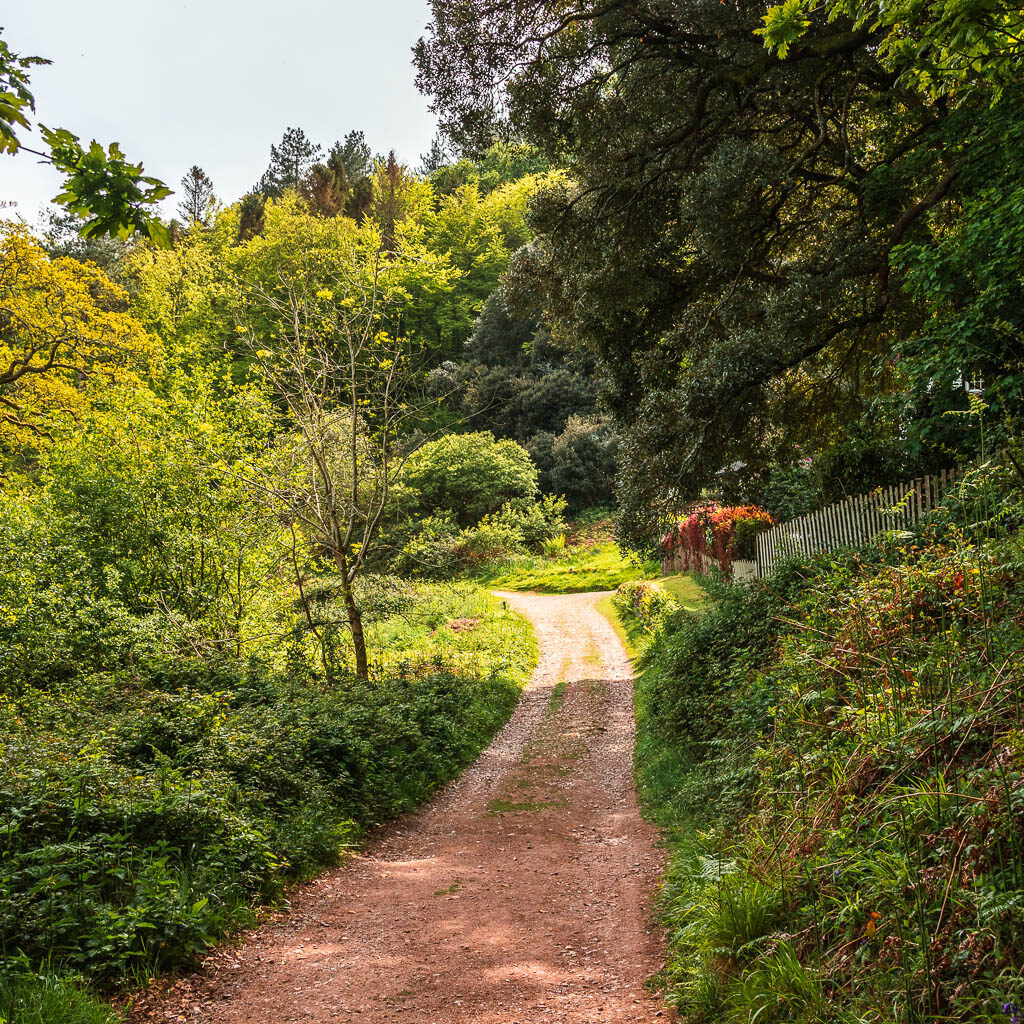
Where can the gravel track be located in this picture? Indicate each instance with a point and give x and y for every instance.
(520, 894)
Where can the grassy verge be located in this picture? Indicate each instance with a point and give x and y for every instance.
(145, 815)
(837, 757)
(28, 997)
(686, 590)
(576, 570)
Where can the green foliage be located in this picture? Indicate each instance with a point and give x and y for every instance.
(103, 186)
(939, 48)
(147, 812)
(536, 522)
(290, 162)
(837, 755)
(645, 602)
(971, 278)
(439, 548)
(726, 241)
(573, 570)
(469, 476)
(15, 96)
(580, 462)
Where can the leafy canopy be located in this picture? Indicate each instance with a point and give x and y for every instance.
(64, 337)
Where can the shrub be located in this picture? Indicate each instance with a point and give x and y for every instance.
(646, 602)
(714, 534)
(536, 522)
(146, 812)
(469, 476)
(433, 550)
(582, 461)
(846, 738)
(491, 540)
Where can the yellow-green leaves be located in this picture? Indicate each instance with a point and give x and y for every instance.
(64, 337)
(784, 24)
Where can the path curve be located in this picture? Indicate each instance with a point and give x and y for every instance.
(521, 893)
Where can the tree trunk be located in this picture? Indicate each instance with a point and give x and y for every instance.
(355, 621)
(355, 624)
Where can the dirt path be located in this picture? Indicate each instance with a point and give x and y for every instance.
(520, 894)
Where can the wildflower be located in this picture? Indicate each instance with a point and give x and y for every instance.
(1011, 1010)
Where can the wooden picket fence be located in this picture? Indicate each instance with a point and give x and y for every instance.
(853, 521)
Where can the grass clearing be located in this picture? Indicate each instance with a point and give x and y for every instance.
(581, 569)
(685, 588)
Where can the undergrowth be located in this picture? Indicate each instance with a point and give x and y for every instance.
(144, 814)
(837, 755)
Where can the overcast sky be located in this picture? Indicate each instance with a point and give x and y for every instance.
(213, 82)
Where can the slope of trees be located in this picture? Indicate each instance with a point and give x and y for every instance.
(211, 674)
(758, 247)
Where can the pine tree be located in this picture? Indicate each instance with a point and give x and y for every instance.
(290, 162)
(197, 190)
(390, 197)
(439, 155)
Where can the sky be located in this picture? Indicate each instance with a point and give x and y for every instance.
(214, 83)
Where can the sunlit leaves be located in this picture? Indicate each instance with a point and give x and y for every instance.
(940, 47)
(103, 186)
(15, 96)
(784, 25)
(63, 331)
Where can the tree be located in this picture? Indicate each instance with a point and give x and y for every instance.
(62, 327)
(343, 183)
(354, 153)
(62, 236)
(938, 48)
(111, 195)
(251, 215)
(314, 321)
(438, 156)
(725, 242)
(290, 162)
(470, 476)
(389, 196)
(197, 196)
(326, 187)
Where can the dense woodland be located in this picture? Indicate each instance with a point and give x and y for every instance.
(261, 461)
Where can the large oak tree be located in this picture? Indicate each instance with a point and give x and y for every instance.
(725, 241)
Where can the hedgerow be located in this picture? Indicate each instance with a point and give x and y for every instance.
(838, 754)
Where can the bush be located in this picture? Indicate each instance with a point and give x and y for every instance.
(645, 602)
(581, 461)
(469, 476)
(535, 522)
(491, 540)
(146, 813)
(439, 548)
(433, 551)
(839, 751)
